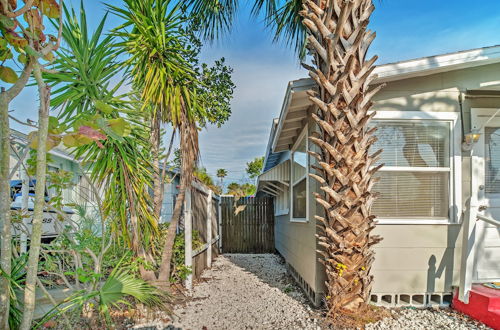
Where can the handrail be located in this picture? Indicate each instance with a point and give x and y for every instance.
(469, 245)
(488, 220)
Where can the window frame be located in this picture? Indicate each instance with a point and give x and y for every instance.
(282, 202)
(302, 135)
(455, 162)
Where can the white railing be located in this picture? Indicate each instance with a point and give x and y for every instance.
(469, 250)
(488, 220)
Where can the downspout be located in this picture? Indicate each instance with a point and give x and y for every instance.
(461, 106)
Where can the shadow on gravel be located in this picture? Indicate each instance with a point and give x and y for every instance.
(270, 269)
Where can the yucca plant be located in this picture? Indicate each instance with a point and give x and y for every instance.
(154, 37)
(16, 279)
(86, 88)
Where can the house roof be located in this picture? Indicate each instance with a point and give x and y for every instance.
(293, 113)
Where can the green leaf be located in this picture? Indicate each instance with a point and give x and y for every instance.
(22, 59)
(5, 54)
(52, 141)
(120, 127)
(3, 43)
(8, 75)
(103, 107)
(7, 23)
(76, 140)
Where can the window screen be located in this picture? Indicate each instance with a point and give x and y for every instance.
(415, 181)
(492, 162)
(299, 182)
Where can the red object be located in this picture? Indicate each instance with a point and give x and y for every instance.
(484, 305)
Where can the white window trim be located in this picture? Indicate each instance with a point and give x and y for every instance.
(302, 135)
(455, 182)
(280, 200)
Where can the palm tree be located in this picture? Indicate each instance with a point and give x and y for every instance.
(335, 32)
(221, 174)
(84, 90)
(153, 34)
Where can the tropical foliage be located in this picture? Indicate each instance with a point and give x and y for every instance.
(115, 153)
(254, 168)
(241, 190)
(26, 43)
(109, 131)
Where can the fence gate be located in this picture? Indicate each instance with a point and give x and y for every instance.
(247, 225)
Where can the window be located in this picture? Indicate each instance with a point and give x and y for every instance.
(299, 178)
(415, 182)
(281, 202)
(492, 161)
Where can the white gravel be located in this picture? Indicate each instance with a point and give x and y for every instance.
(427, 319)
(253, 291)
(246, 292)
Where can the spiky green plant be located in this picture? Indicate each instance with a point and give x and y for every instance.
(86, 88)
(16, 279)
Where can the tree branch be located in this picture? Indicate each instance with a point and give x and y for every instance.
(18, 86)
(13, 14)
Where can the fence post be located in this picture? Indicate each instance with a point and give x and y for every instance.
(219, 223)
(209, 229)
(188, 238)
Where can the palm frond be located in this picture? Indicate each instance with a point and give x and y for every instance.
(215, 16)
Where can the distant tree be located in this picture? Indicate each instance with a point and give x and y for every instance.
(221, 174)
(232, 187)
(203, 176)
(246, 189)
(254, 168)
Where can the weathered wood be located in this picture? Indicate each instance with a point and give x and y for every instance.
(250, 231)
(188, 238)
(203, 210)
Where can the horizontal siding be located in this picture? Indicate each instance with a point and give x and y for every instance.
(413, 258)
(297, 244)
(417, 258)
(395, 281)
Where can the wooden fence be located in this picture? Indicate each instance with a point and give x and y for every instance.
(252, 229)
(201, 230)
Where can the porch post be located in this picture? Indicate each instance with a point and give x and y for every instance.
(469, 229)
(209, 229)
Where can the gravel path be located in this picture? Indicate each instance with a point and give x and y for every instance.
(244, 291)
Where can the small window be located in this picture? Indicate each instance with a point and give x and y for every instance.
(281, 202)
(415, 181)
(299, 180)
(492, 161)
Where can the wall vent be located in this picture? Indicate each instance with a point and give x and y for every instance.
(419, 300)
(314, 297)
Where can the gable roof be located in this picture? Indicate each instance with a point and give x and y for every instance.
(293, 113)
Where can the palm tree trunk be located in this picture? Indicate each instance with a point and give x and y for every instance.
(166, 257)
(157, 182)
(189, 156)
(339, 40)
(5, 238)
(41, 172)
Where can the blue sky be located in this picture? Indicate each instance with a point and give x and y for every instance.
(405, 29)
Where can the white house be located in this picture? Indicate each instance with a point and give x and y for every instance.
(434, 183)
